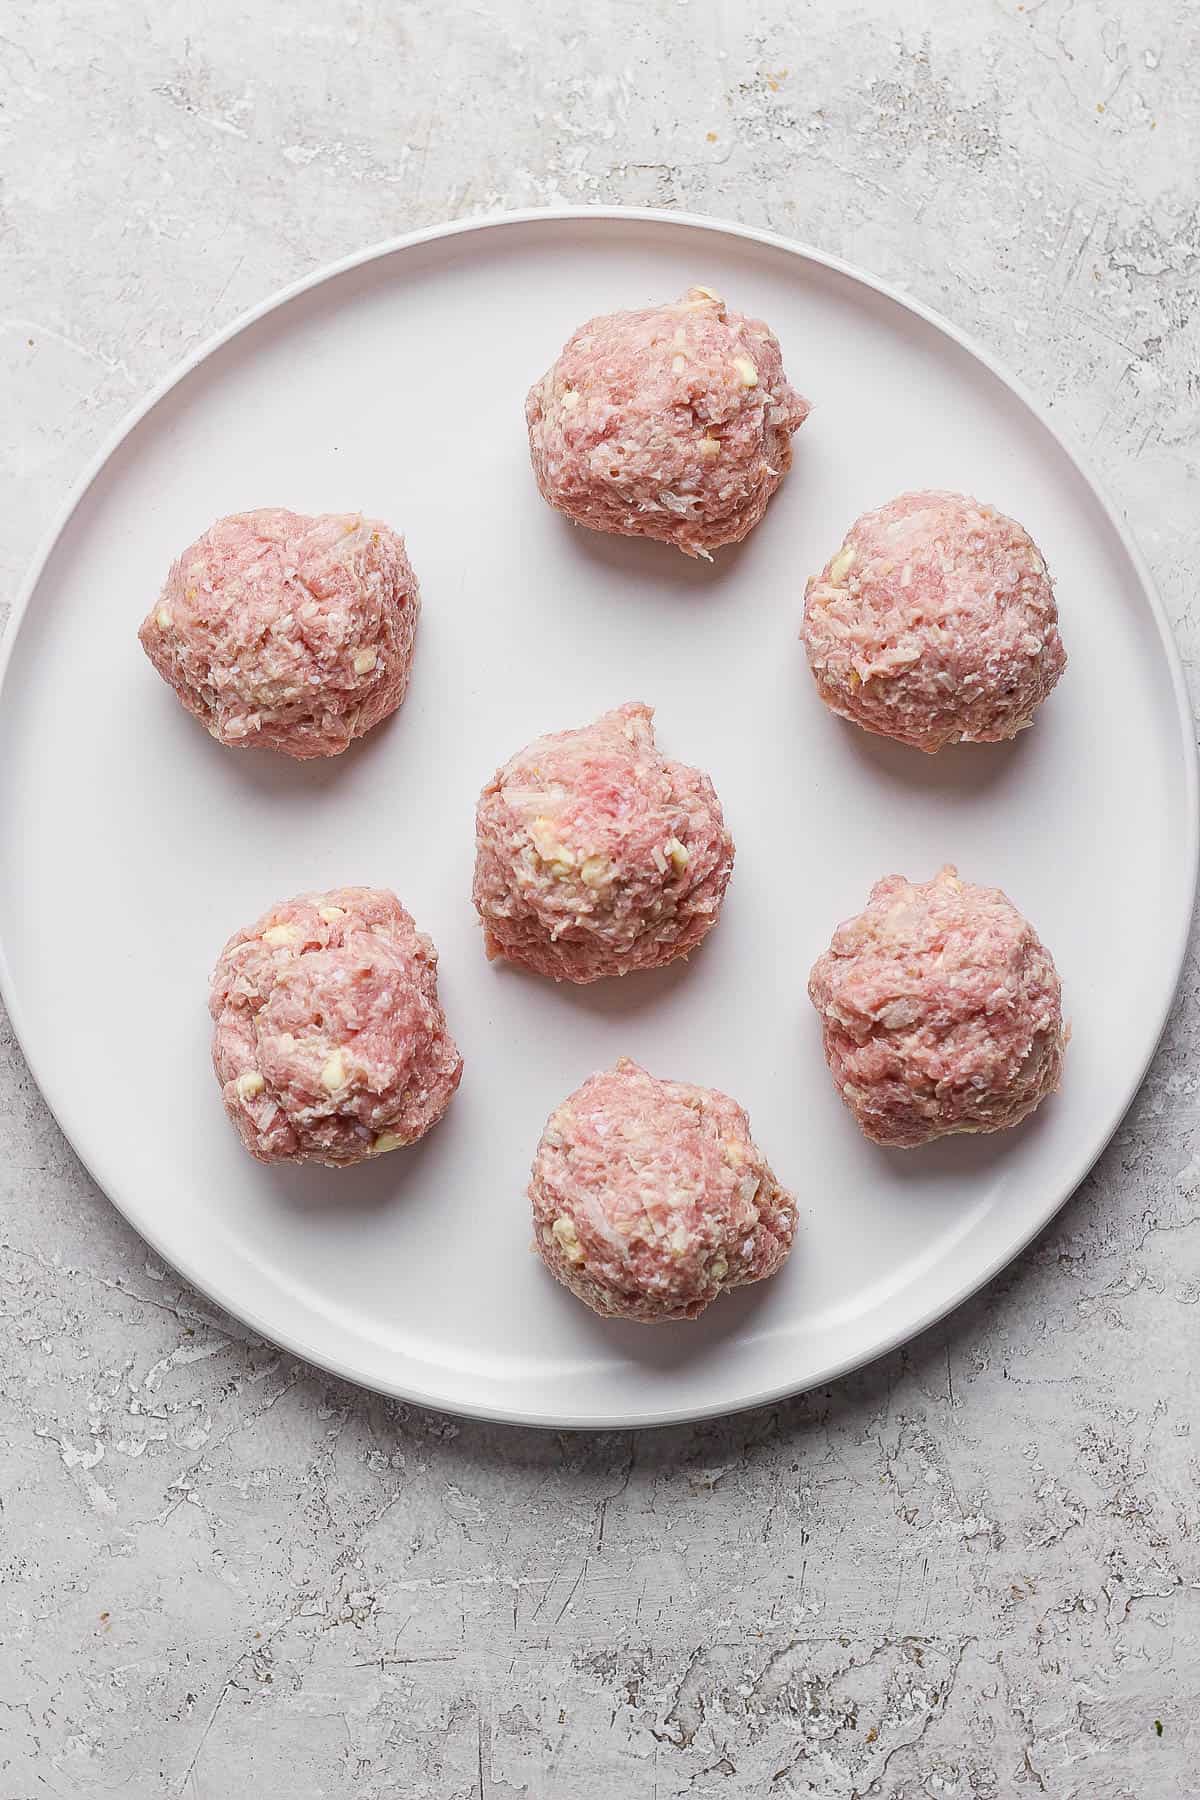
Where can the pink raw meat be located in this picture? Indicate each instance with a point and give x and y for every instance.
(291, 632)
(329, 1041)
(935, 623)
(941, 1010)
(595, 855)
(672, 422)
(650, 1198)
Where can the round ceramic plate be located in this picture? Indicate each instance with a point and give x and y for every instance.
(134, 844)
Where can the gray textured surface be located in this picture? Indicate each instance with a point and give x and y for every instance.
(973, 1570)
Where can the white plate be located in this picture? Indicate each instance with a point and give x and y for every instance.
(134, 843)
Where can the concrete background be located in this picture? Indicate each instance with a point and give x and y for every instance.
(973, 1570)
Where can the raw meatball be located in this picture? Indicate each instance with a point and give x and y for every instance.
(935, 624)
(650, 1198)
(595, 855)
(941, 1010)
(329, 1042)
(673, 422)
(287, 631)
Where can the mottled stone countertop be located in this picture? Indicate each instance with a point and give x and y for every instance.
(972, 1570)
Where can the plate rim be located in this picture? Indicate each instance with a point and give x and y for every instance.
(293, 1341)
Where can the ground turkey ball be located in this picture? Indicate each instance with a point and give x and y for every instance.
(596, 855)
(941, 1009)
(935, 624)
(650, 1197)
(287, 631)
(671, 422)
(329, 1042)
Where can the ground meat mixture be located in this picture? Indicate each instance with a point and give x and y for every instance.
(650, 1197)
(935, 624)
(671, 422)
(941, 1011)
(596, 855)
(290, 632)
(329, 1041)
